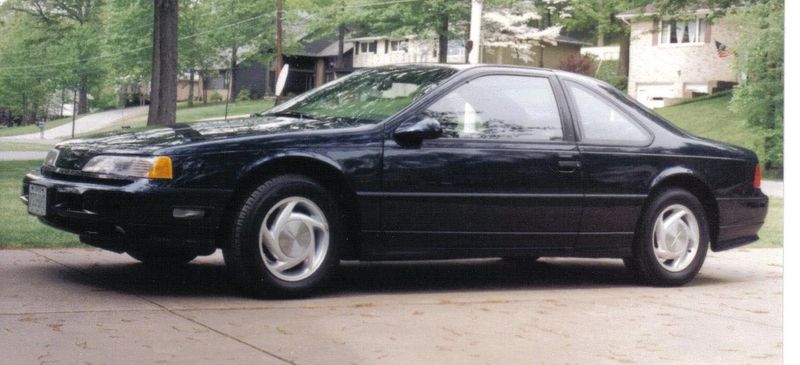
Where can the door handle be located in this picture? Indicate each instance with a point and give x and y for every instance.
(568, 166)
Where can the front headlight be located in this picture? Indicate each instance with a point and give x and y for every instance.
(158, 167)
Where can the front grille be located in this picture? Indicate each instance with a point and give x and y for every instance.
(80, 176)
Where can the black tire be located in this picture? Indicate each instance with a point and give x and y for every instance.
(162, 257)
(243, 255)
(644, 262)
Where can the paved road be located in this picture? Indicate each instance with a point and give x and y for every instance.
(21, 155)
(88, 306)
(772, 188)
(84, 124)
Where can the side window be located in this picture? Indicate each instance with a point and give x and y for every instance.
(601, 122)
(500, 107)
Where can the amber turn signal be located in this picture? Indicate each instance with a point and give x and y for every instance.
(757, 177)
(162, 168)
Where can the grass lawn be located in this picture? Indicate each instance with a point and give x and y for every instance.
(32, 128)
(711, 118)
(15, 146)
(22, 230)
(18, 228)
(772, 232)
(196, 113)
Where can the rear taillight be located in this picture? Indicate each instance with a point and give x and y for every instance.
(757, 178)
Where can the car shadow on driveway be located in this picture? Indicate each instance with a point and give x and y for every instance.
(210, 279)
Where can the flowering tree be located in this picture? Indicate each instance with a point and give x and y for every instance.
(515, 30)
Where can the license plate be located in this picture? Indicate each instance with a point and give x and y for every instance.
(37, 200)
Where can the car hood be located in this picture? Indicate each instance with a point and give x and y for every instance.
(74, 153)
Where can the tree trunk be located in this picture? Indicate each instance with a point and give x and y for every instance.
(83, 96)
(466, 43)
(601, 39)
(624, 51)
(340, 51)
(190, 102)
(278, 38)
(63, 96)
(164, 78)
(203, 89)
(234, 61)
(443, 38)
(34, 109)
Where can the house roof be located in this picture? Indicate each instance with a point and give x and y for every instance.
(378, 38)
(652, 10)
(322, 48)
(570, 40)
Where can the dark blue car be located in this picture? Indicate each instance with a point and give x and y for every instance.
(411, 162)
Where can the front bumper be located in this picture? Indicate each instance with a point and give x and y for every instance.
(123, 215)
(739, 221)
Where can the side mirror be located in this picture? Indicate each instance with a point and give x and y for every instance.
(418, 129)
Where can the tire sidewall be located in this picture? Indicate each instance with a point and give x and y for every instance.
(261, 279)
(645, 252)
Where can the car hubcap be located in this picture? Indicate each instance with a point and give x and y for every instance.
(676, 237)
(294, 238)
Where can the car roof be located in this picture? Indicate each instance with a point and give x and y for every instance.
(464, 67)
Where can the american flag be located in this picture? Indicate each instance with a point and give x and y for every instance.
(722, 50)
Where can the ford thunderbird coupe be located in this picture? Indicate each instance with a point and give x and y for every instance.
(405, 163)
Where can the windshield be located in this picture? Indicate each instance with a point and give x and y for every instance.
(368, 96)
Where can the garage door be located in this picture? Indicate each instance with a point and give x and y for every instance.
(653, 95)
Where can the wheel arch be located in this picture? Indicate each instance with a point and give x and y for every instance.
(695, 184)
(319, 168)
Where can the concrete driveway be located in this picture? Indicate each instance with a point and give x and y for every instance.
(88, 306)
(83, 124)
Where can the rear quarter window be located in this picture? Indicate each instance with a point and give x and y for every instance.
(601, 122)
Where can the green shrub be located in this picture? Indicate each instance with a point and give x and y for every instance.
(215, 97)
(244, 95)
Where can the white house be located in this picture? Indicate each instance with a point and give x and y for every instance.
(673, 58)
(386, 50)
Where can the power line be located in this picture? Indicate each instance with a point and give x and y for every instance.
(26, 67)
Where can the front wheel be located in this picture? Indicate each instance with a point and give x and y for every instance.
(284, 240)
(672, 240)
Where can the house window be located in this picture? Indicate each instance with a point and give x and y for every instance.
(369, 47)
(683, 31)
(398, 46)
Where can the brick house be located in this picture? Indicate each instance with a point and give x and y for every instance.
(673, 58)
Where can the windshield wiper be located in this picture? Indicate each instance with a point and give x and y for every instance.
(292, 114)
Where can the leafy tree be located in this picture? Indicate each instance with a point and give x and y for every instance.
(759, 58)
(74, 30)
(128, 42)
(246, 29)
(196, 51)
(23, 91)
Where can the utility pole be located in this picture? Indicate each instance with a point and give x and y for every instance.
(475, 32)
(278, 38)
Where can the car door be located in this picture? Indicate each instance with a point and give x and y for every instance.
(504, 176)
(618, 165)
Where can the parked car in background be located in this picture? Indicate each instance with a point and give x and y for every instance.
(411, 162)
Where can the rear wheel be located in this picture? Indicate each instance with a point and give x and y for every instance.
(162, 256)
(285, 237)
(672, 240)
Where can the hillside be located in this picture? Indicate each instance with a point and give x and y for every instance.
(711, 118)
